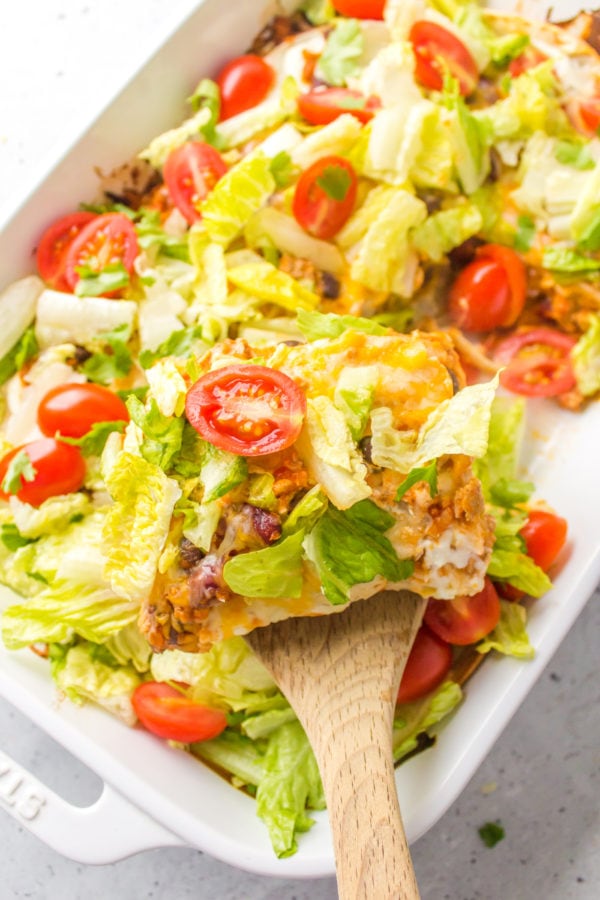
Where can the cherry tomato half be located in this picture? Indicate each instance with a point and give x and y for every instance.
(244, 82)
(585, 115)
(464, 620)
(323, 105)
(169, 714)
(190, 173)
(107, 239)
(489, 292)
(72, 409)
(325, 195)
(248, 410)
(545, 534)
(54, 245)
(427, 665)
(360, 9)
(59, 469)
(530, 58)
(538, 362)
(437, 50)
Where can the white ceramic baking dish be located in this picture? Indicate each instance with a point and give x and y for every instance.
(156, 796)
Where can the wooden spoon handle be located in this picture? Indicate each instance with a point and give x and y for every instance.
(341, 675)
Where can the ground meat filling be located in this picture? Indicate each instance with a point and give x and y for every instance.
(175, 612)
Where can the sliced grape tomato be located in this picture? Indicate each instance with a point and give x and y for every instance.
(467, 619)
(190, 173)
(250, 410)
(438, 51)
(322, 105)
(170, 714)
(324, 196)
(490, 291)
(54, 244)
(544, 534)
(107, 240)
(72, 409)
(537, 362)
(41, 469)
(243, 83)
(427, 665)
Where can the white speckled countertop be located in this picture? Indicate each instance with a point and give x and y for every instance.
(541, 781)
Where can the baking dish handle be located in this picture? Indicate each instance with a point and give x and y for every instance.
(110, 829)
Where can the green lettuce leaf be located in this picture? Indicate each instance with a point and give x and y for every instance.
(220, 471)
(242, 191)
(306, 512)
(84, 676)
(567, 260)
(318, 12)
(509, 636)
(129, 646)
(163, 145)
(66, 607)
(24, 350)
(271, 285)
(50, 517)
(262, 725)
(274, 571)
(428, 474)
(469, 138)
(161, 435)
(234, 753)
(341, 55)
(291, 782)
(586, 358)
(510, 563)
(585, 219)
(507, 425)
(227, 675)
(444, 230)
(137, 524)
(201, 521)
(350, 547)
(531, 106)
(315, 325)
(414, 719)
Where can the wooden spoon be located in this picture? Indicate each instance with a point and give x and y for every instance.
(341, 675)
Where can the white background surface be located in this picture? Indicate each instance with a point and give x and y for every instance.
(55, 59)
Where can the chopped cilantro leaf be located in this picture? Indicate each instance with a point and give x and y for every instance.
(92, 443)
(525, 233)
(12, 538)
(335, 181)
(114, 360)
(94, 283)
(207, 95)
(283, 169)
(574, 153)
(20, 469)
(422, 473)
(179, 343)
(491, 833)
(25, 348)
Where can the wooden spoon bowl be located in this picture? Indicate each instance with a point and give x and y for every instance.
(341, 674)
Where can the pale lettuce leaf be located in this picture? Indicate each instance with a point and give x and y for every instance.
(509, 636)
(137, 524)
(586, 358)
(458, 425)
